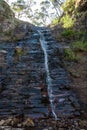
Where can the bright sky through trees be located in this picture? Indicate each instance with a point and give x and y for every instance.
(42, 12)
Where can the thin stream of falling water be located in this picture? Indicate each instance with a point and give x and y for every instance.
(49, 80)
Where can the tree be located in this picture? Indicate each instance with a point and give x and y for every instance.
(25, 8)
(57, 6)
(45, 5)
(18, 7)
(29, 10)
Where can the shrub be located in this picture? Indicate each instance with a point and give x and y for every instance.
(69, 54)
(67, 21)
(80, 34)
(68, 33)
(55, 21)
(69, 6)
(80, 45)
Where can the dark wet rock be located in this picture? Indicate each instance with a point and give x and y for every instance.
(47, 34)
(49, 38)
(35, 36)
(2, 87)
(45, 100)
(26, 91)
(74, 102)
(62, 87)
(3, 58)
(76, 113)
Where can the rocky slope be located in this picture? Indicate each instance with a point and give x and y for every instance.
(72, 29)
(74, 18)
(72, 25)
(10, 27)
(25, 95)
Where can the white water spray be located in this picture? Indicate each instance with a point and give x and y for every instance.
(49, 80)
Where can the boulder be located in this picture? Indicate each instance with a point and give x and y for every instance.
(11, 28)
(7, 17)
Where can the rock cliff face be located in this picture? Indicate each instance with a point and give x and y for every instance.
(81, 5)
(77, 33)
(6, 17)
(75, 14)
(81, 15)
(10, 27)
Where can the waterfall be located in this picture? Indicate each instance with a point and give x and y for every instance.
(48, 78)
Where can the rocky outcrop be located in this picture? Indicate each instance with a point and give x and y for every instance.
(81, 5)
(75, 17)
(68, 36)
(81, 15)
(10, 27)
(7, 20)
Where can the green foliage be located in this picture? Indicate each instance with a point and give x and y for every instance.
(67, 21)
(69, 54)
(80, 34)
(55, 21)
(68, 33)
(18, 7)
(69, 6)
(18, 52)
(80, 45)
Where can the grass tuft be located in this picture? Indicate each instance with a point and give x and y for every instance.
(70, 55)
(80, 45)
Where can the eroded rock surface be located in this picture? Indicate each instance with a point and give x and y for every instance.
(24, 99)
(11, 29)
